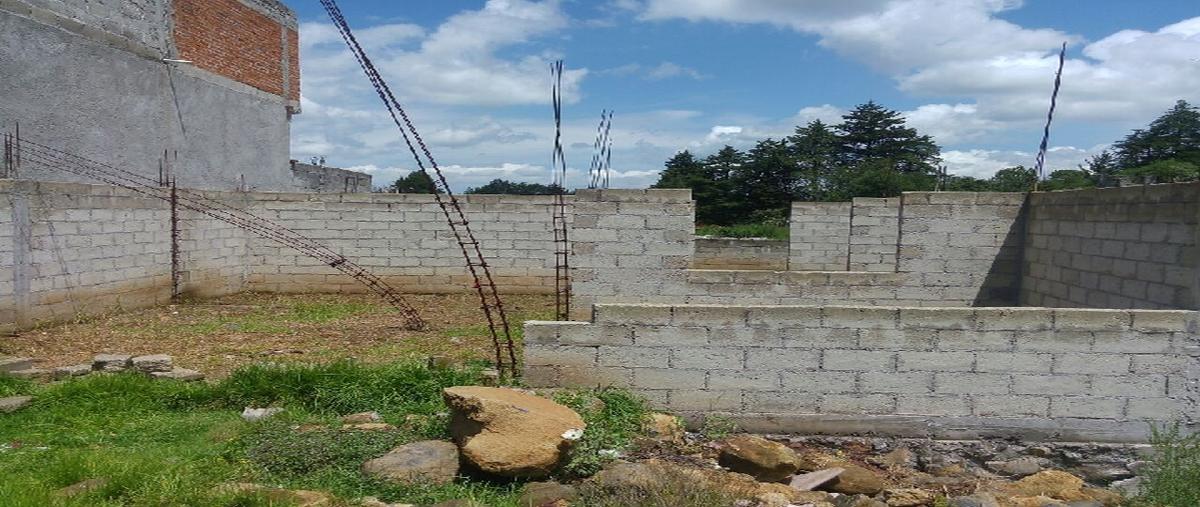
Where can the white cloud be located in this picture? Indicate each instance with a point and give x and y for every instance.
(984, 163)
(664, 70)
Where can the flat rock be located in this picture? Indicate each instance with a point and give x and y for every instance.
(111, 362)
(152, 363)
(540, 494)
(510, 433)
(758, 457)
(14, 403)
(907, 497)
(855, 480)
(78, 370)
(30, 374)
(810, 481)
(181, 374)
(362, 417)
(1019, 467)
(8, 364)
(976, 500)
(257, 414)
(1049, 483)
(431, 461)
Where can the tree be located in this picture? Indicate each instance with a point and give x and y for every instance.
(872, 133)
(1173, 136)
(1164, 171)
(814, 149)
(417, 182)
(1103, 169)
(1013, 179)
(1067, 179)
(966, 184)
(763, 185)
(684, 171)
(502, 186)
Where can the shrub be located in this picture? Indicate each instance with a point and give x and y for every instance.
(1174, 478)
(613, 416)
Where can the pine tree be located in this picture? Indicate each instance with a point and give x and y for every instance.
(1173, 136)
(814, 151)
(872, 133)
(417, 182)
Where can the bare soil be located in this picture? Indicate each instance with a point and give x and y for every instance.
(217, 335)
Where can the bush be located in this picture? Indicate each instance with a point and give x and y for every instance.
(613, 416)
(1174, 477)
(283, 451)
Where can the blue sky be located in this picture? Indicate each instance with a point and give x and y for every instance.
(699, 74)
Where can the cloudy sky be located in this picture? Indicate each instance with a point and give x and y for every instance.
(699, 74)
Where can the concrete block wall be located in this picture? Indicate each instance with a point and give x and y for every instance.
(1032, 373)
(404, 238)
(874, 233)
(630, 244)
(819, 236)
(1129, 247)
(962, 247)
(741, 253)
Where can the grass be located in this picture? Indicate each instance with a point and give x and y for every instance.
(1174, 477)
(173, 443)
(744, 231)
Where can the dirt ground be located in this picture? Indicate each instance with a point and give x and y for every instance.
(217, 335)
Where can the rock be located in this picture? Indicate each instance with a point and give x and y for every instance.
(152, 363)
(976, 500)
(663, 428)
(489, 377)
(362, 417)
(898, 458)
(296, 498)
(180, 374)
(1085, 503)
(369, 427)
(258, 414)
(773, 500)
(14, 403)
(1105, 497)
(1033, 501)
(758, 457)
(11, 364)
(111, 362)
(810, 481)
(65, 372)
(907, 497)
(855, 480)
(30, 374)
(82, 487)
(1049, 483)
(655, 475)
(1103, 474)
(431, 461)
(540, 494)
(858, 501)
(1019, 467)
(1130, 487)
(509, 433)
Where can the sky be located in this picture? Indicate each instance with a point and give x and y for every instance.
(700, 74)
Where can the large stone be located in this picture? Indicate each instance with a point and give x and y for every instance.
(432, 462)
(1049, 483)
(855, 480)
(111, 362)
(31, 374)
(14, 403)
(362, 417)
(907, 497)
(152, 363)
(10, 364)
(541, 494)
(976, 500)
(654, 475)
(180, 374)
(758, 457)
(510, 433)
(1019, 467)
(78, 370)
(663, 428)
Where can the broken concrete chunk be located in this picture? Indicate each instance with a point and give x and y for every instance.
(111, 362)
(182, 374)
(78, 370)
(431, 461)
(14, 403)
(152, 363)
(9, 364)
(30, 374)
(809, 481)
(257, 414)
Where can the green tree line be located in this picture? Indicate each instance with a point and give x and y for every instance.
(873, 153)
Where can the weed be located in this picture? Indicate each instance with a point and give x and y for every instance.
(744, 231)
(284, 452)
(716, 427)
(1174, 477)
(12, 386)
(668, 488)
(613, 417)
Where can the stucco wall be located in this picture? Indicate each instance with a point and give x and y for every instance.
(1033, 373)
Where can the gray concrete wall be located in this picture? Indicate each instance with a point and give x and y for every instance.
(874, 234)
(819, 236)
(1031, 373)
(324, 179)
(1130, 247)
(741, 253)
(96, 87)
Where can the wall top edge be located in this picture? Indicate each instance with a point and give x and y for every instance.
(1008, 310)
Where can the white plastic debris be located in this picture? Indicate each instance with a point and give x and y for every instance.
(258, 414)
(573, 434)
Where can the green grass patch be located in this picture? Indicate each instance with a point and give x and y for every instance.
(767, 231)
(613, 416)
(277, 320)
(1174, 476)
(12, 386)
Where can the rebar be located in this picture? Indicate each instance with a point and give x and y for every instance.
(601, 153)
(1041, 156)
(558, 163)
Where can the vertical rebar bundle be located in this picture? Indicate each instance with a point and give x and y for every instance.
(558, 162)
(601, 152)
(477, 266)
(1041, 156)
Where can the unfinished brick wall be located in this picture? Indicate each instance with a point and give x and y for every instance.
(253, 46)
(874, 233)
(1131, 247)
(819, 236)
(741, 253)
(1066, 374)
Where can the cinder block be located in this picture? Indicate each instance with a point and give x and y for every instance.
(558, 355)
(1158, 363)
(1131, 342)
(1014, 319)
(859, 317)
(594, 334)
(937, 318)
(1059, 341)
(1087, 407)
(858, 360)
(744, 380)
(634, 357)
(1098, 364)
(897, 339)
(648, 315)
(891, 382)
(936, 361)
(1050, 384)
(1154, 321)
(971, 383)
(784, 316)
(1012, 406)
(1007, 362)
(1156, 409)
(975, 340)
(706, 400)
(857, 404)
(645, 336)
(1142, 386)
(669, 378)
(819, 338)
(707, 358)
(714, 316)
(933, 405)
(1091, 320)
(587, 377)
(782, 359)
(820, 381)
(785, 402)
